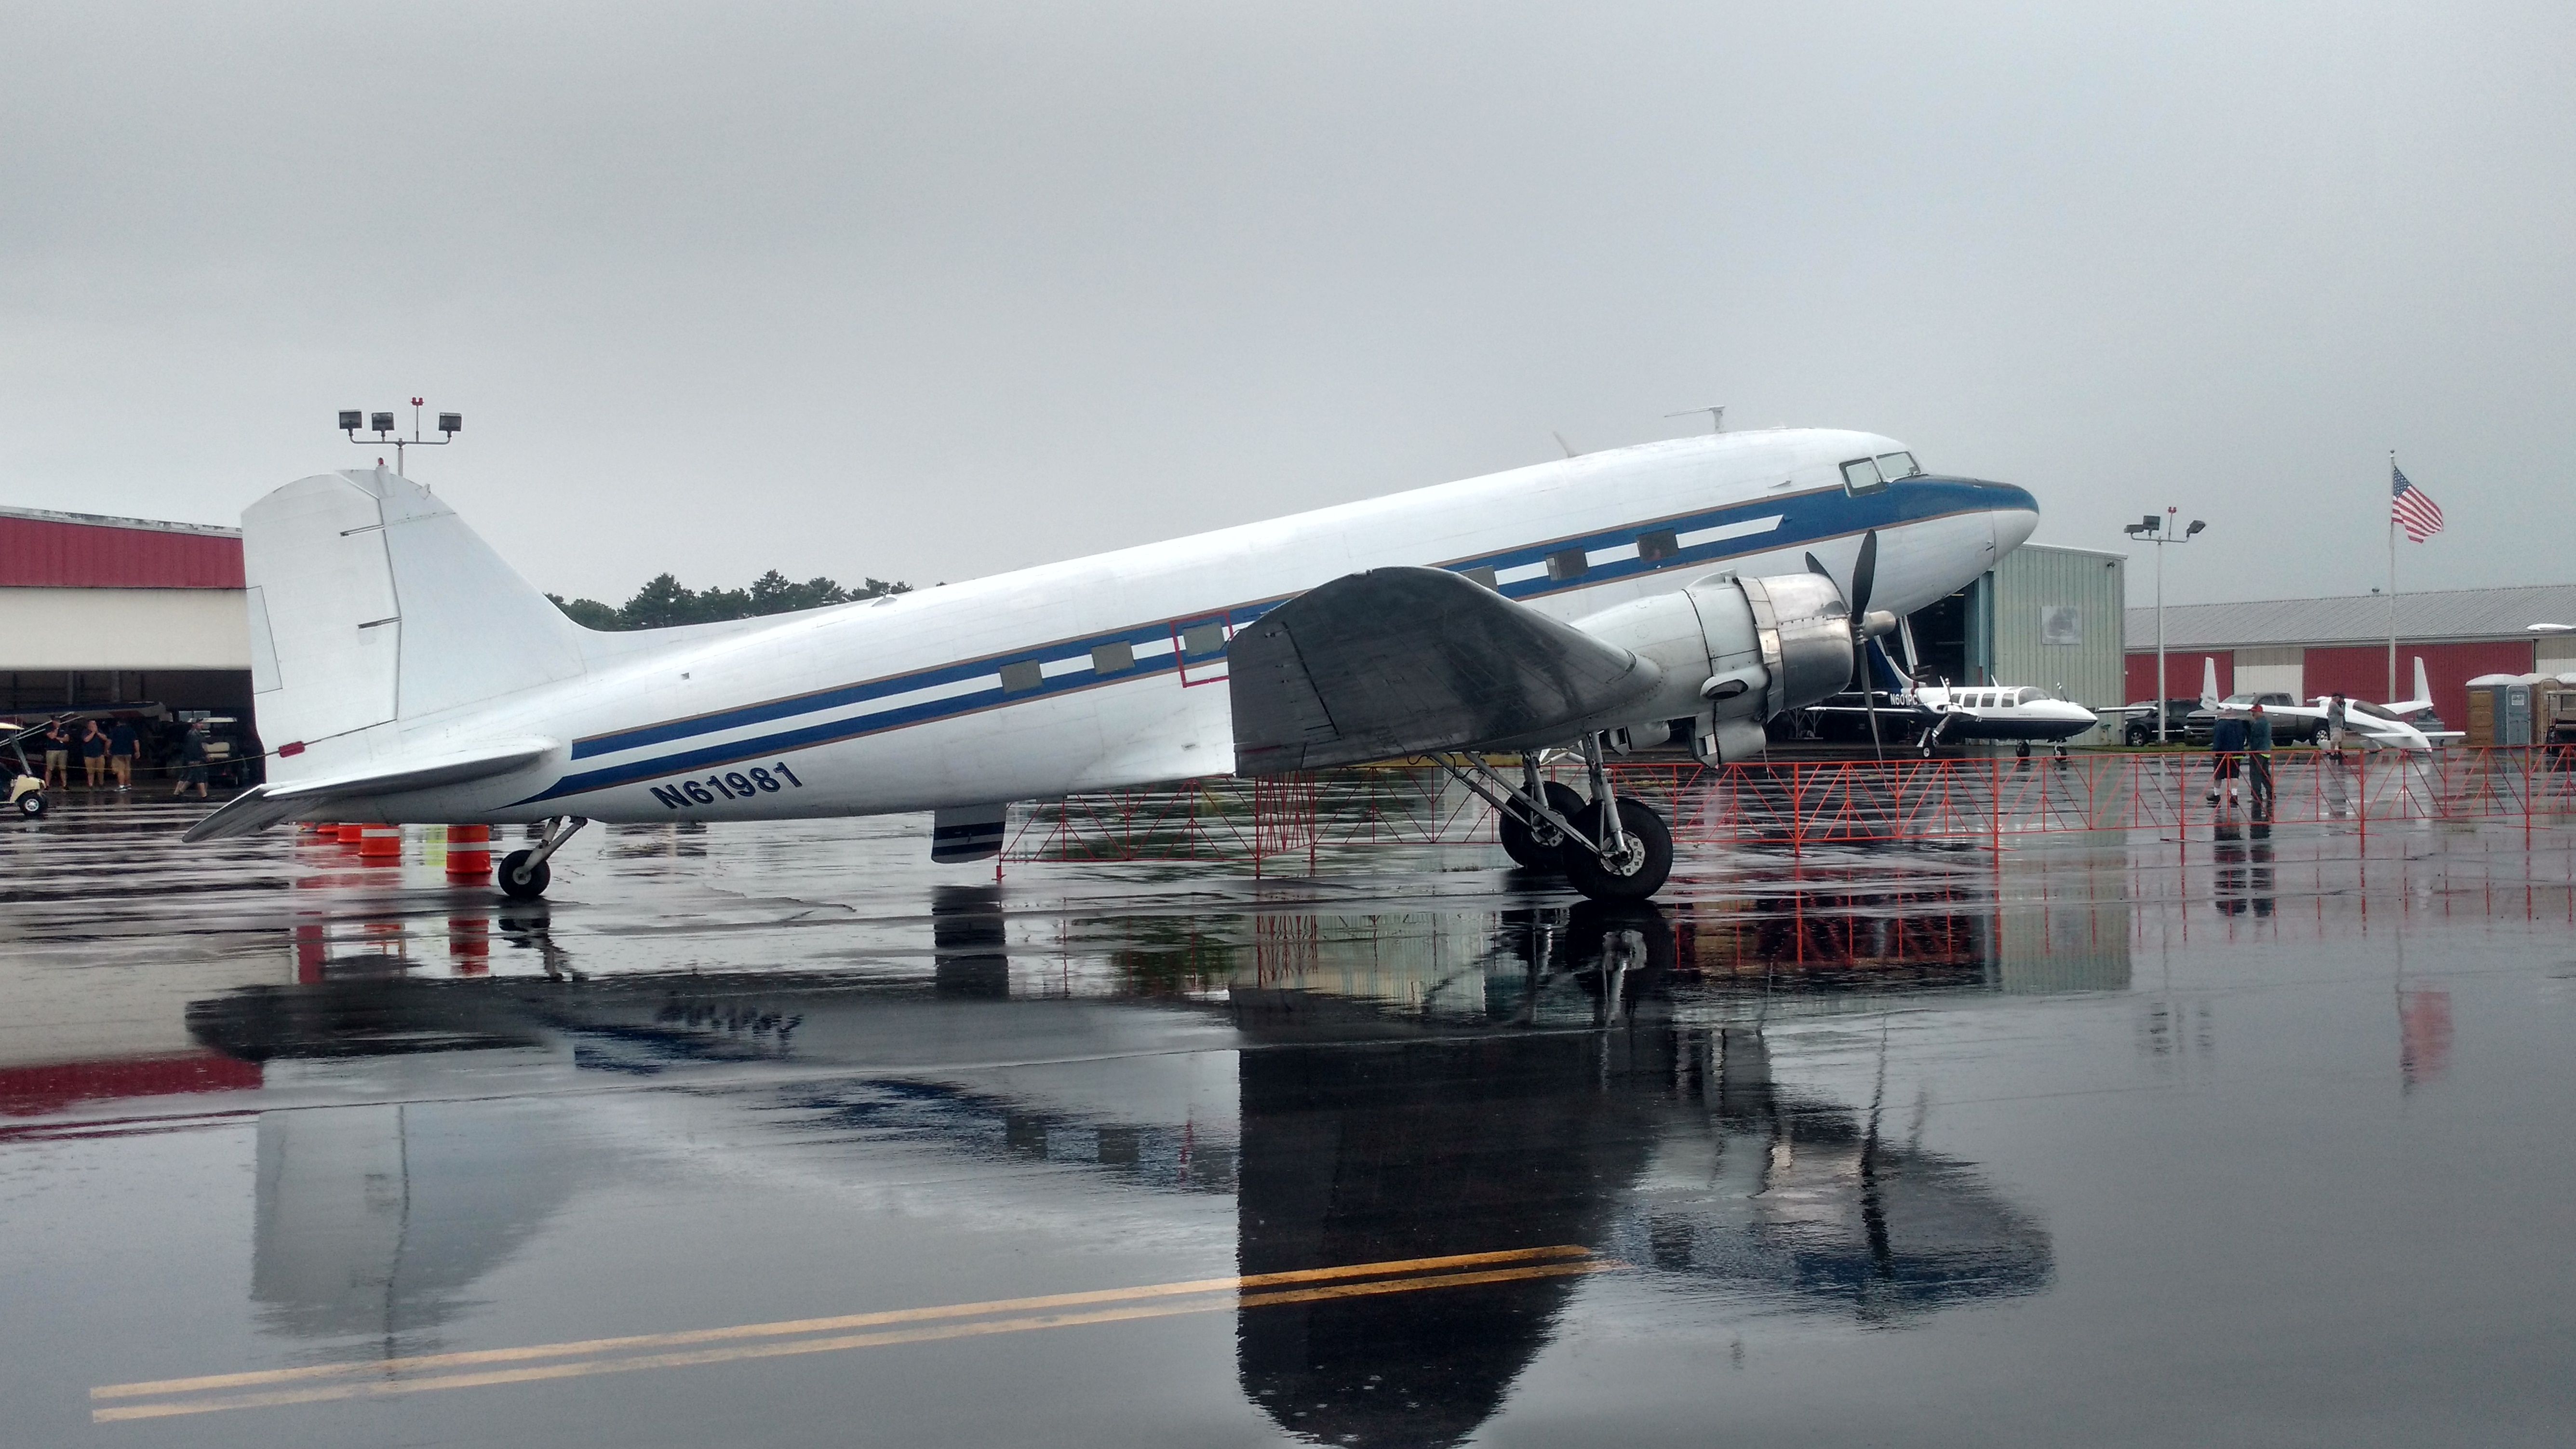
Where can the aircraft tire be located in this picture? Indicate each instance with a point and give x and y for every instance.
(1540, 847)
(1644, 873)
(513, 887)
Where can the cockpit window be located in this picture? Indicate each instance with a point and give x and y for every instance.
(1898, 465)
(1860, 475)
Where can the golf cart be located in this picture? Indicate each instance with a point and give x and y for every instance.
(26, 786)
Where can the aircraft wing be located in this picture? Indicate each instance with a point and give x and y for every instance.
(1404, 661)
(262, 806)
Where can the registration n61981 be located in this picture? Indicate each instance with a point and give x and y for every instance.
(730, 785)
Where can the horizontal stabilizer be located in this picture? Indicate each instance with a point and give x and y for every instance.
(262, 806)
(1404, 661)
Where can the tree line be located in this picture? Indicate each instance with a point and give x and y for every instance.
(666, 601)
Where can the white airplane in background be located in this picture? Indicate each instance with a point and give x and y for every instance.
(1959, 713)
(403, 673)
(2377, 726)
(2017, 714)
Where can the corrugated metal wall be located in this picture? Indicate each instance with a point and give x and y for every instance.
(2058, 613)
(46, 553)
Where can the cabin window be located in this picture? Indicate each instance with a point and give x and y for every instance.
(1860, 475)
(1200, 640)
(1023, 677)
(1658, 545)
(1567, 564)
(1113, 658)
(1898, 465)
(1483, 575)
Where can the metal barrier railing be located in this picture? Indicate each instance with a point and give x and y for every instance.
(1800, 803)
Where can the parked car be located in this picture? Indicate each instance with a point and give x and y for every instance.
(2140, 728)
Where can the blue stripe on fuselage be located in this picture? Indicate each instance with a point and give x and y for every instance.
(1810, 517)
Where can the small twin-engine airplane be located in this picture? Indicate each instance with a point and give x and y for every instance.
(403, 673)
(2000, 713)
(2377, 726)
(1947, 713)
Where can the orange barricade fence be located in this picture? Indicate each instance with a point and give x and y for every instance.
(1800, 803)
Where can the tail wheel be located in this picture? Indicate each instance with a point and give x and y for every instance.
(1629, 875)
(1537, 845)
(529, 889)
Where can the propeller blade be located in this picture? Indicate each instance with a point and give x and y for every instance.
(1816, 565)
(1864, 573)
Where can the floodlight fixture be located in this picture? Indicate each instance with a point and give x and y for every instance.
(382, 424)
(2161, 530)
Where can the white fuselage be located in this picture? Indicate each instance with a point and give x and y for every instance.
(1109, 670)
(2003, 712)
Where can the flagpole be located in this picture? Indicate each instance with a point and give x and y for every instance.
(2392, 575)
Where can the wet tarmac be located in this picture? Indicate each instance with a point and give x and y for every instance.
(2246, 1134)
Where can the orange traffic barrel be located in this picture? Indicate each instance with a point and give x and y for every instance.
(380, 843)
(352, 834)
(469, 850)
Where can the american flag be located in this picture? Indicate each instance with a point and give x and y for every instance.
(2419, 515)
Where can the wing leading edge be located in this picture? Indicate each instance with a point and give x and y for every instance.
(1403, 661)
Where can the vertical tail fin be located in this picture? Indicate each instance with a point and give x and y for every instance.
(372, 602)
(2208, 682)
(2423, 686)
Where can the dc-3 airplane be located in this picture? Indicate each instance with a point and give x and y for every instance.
(2377, 726)
(403, 673)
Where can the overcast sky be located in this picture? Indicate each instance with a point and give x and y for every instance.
(933, 291)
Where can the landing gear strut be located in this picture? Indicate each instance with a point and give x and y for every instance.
(1609, 848)
(1533, 841)
(523, 874)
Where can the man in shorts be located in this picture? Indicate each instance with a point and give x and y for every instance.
(2338, 719)
(58, 756)
(2226, 754)
(93, 752)
(123, 744)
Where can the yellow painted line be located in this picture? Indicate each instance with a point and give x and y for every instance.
(1204, 1288)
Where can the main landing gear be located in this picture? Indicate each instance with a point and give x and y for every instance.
(523, 874)
(1611, 849)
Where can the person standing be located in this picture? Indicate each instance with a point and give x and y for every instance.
(2258, 758)
(93, 749)
(2226, 753)
(123, 744)
(58, 756)
(192, 760)
(2338, 719)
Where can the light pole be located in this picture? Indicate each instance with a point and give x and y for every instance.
(2159, 531)
(382, 424)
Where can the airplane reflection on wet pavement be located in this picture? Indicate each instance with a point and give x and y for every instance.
(1460, 1138)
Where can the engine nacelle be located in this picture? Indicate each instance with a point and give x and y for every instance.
(1736, 651)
